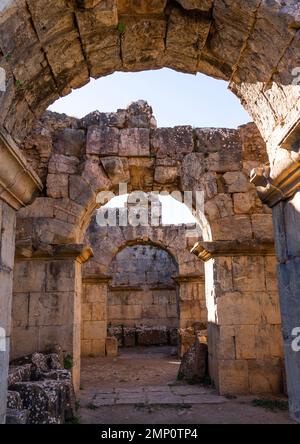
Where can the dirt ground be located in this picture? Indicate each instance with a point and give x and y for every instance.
(140, 387)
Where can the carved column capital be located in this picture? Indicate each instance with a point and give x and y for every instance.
(18, 182)
(209, 250)
(273, 187)
(26, 251)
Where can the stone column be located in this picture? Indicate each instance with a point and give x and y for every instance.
(286, 217)
(278, 186)
(18, 183)
(191, 309)
(244, 331)
(7, 240)
(47, 302)
(94, 316)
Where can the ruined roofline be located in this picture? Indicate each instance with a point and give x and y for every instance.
(116, 119)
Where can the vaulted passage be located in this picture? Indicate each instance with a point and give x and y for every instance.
(56, 170)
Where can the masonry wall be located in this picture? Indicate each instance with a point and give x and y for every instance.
(47, 308)
(7, 249)
(94, 318)
(244, 325)
(142, 289)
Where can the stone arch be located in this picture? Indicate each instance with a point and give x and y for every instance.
(100, 151)
(46, 58)
(77, 158)
(108, 242)
(224, 40)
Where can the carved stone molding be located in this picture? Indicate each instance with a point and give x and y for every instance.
(209, 250)
(18, 182)
(189, 278)
(272, 190)
(95, 280)
(79, 252)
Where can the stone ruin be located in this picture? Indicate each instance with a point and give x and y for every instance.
(40, 391)
(52, 168)
(67, 291)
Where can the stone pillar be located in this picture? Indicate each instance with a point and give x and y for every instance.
(47, 302)
(286, 217)
(278, 186)
(94, 316)
(244, 326)
(18, 184)
(7, 249)
(191, 309)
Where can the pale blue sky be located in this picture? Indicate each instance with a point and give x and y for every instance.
(176, 98)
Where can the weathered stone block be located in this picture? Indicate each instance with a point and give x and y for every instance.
(143, 42)
(61, 164)
(152, 336)
(69, 142)
(245, 342)
(223, 161)
(262, 226)
(233, 377)
(143, 7)
(236, 182)
(94, 330)
(166, 175)
(102, 141)
(174, 336)
(98, 347)
(57, 185)
(186, 36)
(134, 142)
(94, 174)
(174, 142)
(99, 311)
(237, 308)
(111, 347)
(129, 337)
(117, 169)
(194, 362)
(248, 273)
(46, 401)
(86, 312)
(196, 5)
(81, 191)
(265, 376)
(232, 228)
(243, 202)
(225, 343)
(14, 400)
(17, 416)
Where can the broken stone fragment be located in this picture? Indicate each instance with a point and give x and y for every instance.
(194, 362)
(14, 400)
(15, 416)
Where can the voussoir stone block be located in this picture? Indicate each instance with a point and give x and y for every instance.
(141, 7)
(198, 5)
(186, 37)
(94, 174)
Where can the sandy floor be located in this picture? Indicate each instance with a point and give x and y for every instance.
(140, 387)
